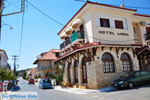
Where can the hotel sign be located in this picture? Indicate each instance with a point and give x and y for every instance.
(114, 33)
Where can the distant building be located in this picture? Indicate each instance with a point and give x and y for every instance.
(35, 72)
(4, 59)
(46, 60)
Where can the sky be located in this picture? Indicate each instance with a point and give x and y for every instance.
(39, 32)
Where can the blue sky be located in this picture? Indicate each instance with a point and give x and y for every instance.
(40, 33)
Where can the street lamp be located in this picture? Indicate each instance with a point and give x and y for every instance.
(11, 28)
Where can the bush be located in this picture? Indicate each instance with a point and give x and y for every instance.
(24, 75)
(27, 78)
(6, 75)
(58, 74)
(36, 77)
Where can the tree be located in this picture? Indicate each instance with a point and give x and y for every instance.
(6, 75)
(58, 74)
(24, 75)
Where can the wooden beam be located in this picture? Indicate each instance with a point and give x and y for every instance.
(103, 48)
(117, 51)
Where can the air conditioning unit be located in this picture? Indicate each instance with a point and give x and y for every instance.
(143, 23)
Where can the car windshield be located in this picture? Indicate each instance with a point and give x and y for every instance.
(46, 80)
(127, 74)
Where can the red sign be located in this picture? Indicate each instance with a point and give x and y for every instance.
(1, 86)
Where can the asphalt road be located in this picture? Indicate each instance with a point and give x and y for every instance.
(51, 94)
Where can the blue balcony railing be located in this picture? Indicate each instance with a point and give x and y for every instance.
(75, 36)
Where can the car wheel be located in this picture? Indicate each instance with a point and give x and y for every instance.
(130, 85)
(149, 81)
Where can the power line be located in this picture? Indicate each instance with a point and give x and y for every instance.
(45, 14)
(22, 27)
(15, 59)
(68, 27)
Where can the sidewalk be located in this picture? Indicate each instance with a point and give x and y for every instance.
(77, 90)
(4, 94)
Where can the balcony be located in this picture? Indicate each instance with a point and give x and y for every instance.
(62, 45)
(67, 41)
(75, 36)
(147, 36)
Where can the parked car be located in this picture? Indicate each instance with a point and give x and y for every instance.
(132, 79)
(31, 81)
(45, 83)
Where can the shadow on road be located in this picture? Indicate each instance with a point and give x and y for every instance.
(113, 89)
(16, 88)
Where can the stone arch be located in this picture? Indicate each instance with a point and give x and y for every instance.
(128, 52)
(110, 52)
(108, 62)
(84, 68)
(126, 62)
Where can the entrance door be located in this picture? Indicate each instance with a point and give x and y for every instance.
(84, 68)
(69, 72)
(76, 71)
(84, 73)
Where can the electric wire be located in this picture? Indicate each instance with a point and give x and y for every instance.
(21, 36)
(69, 28)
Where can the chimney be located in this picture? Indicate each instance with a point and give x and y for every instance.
(122, 5)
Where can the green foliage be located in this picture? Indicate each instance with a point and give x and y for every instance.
(27, 77)
(35, 77)
(24, 75)
(58, 74)
(6, 75)
(49, 74)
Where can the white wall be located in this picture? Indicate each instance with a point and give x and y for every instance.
(3, 60)
(92, 28)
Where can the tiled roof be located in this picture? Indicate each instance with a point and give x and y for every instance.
(142, 15)
(48, 56)
(142, 49)
(95, 3)
(90, 45)
(4, 52)
(55, 50)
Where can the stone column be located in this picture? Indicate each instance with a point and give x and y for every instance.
(91, 74)
(118, 66)
(135, 63)
(65, 75)
(72, 72)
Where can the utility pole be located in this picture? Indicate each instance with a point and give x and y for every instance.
(17, 12)
(1, 9)
(15, 59)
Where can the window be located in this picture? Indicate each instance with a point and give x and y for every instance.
(108, 63)
(143, 73)
(126, 63)
(104, 22)
(119, 24)
(76, 71)
(137, 74)
(57, 54)
(148, 30)
(81, 28)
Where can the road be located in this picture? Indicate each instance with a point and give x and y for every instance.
(138, 93)
(51, 94)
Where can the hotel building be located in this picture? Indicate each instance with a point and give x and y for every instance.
(100, 42)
